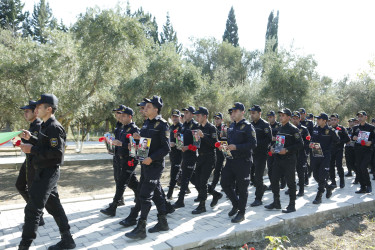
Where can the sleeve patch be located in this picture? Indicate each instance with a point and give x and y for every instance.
(54, 142)
(297, 135)
(214, 135)
(266, 130)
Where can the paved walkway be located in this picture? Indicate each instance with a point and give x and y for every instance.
(93, 230)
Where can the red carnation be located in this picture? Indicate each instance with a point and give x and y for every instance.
(101, 139)
(194, 148)
(270, 153)
(338, 128)
(363, 143)
(308, 138)
(18, 143)
(128, 136)
(190, 147)
(175, 131)
(217, 144)
(131, 163)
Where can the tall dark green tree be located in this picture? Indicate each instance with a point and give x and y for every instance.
(11, 15)
(272, 40)
(149, 24)
(42, 19)
(168, 35)
(231, 29)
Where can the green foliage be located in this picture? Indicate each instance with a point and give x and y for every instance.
(277, 243)
(231, 29)
(272, 39)
(169, 35)
(11, 15)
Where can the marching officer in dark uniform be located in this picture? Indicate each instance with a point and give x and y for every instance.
(27, 171)
(175, 156)
(338, 152)
(48, 155)
(241, 141)
(116, 159)
(156, 129)
(189, 155)
(363, 135)
(302, 153)
(127, 163)
(289, 142)
(310, 117)
(373, 154)
(349, 150)
(206, 159)
(326, 137)
(309, 125)
(275, 126)
(260, 153)
(221, 129)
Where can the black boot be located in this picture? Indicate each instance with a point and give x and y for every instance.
(66, 242)
(368, 189)
(179, 203)
(139, 232)
(256, 203)
(216, 196)
(318, 198)
(233, 211)
(329, 191)
(274, 205)
(169, 208)
(41, 221)
(342, 182)
(333, 184)
(111, 210)
(121, 202)
(239, 217)
(170, 193)
(162, 224)
(290, 208)
(197, 199)
(301, 191)
(287, 192)
(131, 220)
(362, 190)
(200, 209)
(24, 244)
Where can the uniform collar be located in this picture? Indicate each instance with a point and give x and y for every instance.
(240, 122)
(49, 121)
(36, 121)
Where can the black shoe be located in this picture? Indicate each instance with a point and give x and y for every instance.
(200, 209)
(170, 193)
(139, 232)
(216, 196)
(342, 183)
(169, 208)
(329, 192)
(256, 203)
(368, 189)
(333, 185)
(121, 202)
(24, 244)
(233, 211)
(273, 205)
(41, 221)
(110, 211)
(361, 191)
(289, 209)
(287, 192)
(197, 199)
(301, 193)
(349, 174)
(306, 181)
(318, 198)
(178, 204)
(162, 225)
(239, 217)
(66, 242)
(131, 220)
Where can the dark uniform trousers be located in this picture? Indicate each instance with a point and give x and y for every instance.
(301, 167)
(175, 157)
(43, 193)
(203, 170)
(270, 163)
(25, 179)
(336, 160)
(189, 159)
(125, 177)
(150, 189)
(259, 161)
(238, 171)
(218, 168)
(363, 159)
(350, 158)
(320, 167)
(284, 165)
(116, 166)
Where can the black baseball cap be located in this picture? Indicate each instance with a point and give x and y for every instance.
(182, 114)
(202, 111)
(191, 109)
(176, 112)
(218, 115)
(48, 99)
(155, 100)
(296, 113)
(238, 105)
(323, 116)
(310, 116)
(373, 120)
(335, 116)
(141, 104)
(271, 113)
(351, 120)
(302, 111)
(362, 113)
(127, 110)
(120, 108)
(255, 108)
(355, 119)
(31, 105)
(285, 111)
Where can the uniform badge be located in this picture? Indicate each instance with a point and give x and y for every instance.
(191, 125)
(300, 130)
(214, 135)
(297, 135)
(54, 142)
(128, 130)
(35, 133)
(253, 133)
(327, 131)
(266, 130)
(242, 126)
(167, 134)
(156, 124)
